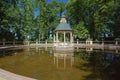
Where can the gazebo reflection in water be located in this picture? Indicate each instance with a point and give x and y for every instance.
(64, 59)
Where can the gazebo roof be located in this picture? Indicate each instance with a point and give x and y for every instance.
(63, 27)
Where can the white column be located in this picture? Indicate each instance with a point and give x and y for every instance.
(57, 36)
(64, 37)
(71, 38)
(54, 38)
(116, 42)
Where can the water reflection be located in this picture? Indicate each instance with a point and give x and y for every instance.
(9, 52)
(2, 52)
(51, 51)
(31, 51)
(89, 49)
(66, 58)
(35, 50)
(103, 65)
(109, 57)
(113, 50)
(81, 64)
(62, 59)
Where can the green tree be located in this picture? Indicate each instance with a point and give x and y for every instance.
(48, 17)
(80, 31)
(5, 26)
(97, 16)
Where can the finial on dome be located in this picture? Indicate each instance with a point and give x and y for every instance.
(63, 18)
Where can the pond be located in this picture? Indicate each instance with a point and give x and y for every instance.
(45, 64)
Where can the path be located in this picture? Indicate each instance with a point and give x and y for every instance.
(5, 75)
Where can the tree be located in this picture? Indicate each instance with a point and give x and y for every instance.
(115, 18)
(48, 17)
(80, 31)
(5, 28)
(100, 18)
(96, 15)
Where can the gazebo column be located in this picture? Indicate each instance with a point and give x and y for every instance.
(54, 38)
(64, 38)
(71, 38)
(57, 37)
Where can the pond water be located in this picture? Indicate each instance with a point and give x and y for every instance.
(45, 64)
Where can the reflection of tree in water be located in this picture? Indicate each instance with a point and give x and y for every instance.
(9, 52)
(104, 66)
(83, 55)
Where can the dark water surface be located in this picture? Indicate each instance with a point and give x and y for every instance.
(46, 64)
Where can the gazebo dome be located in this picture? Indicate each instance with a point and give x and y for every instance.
(63, 26)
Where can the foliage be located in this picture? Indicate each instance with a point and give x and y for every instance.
(33, 19)
(99, 16)
(80, 31)
(104, 66)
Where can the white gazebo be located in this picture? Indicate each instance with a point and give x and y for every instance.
(63, 36)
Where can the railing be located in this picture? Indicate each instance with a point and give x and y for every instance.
(9, 43)
(98, 42)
